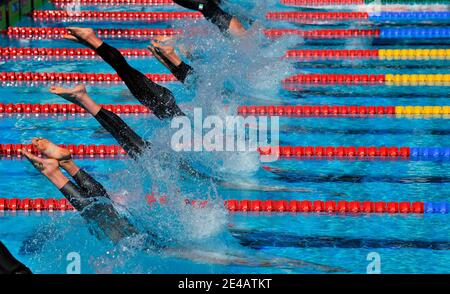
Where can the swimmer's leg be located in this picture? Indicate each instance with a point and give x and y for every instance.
(158, 98)
(89, 186)
(133, 144)
(212, 12)
(9, 264)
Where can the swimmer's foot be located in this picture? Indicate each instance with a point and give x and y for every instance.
(51, 150)
(77, 95)
(84, 36)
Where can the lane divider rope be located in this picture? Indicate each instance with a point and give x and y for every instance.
(385, 33)
(74, 77)
(300, 79)
(58, 15)
(377, 54)
(13, 52)
(269, 110)
(360, 2)
(129, 33)
(294, 152)
(356, 152)
(339, 110)
(58, 33)
(368, 79)
(303, 54)
(69, 108)
(371, 16)
(116, 2)
(232, 205)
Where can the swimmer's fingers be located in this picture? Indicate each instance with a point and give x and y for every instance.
(56, 90)
(71, 37)
(162, 39)
(156, 54)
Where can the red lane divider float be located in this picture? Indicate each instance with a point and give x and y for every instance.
(57, 33)
(76, 150)
(302, 206)
(330, 152)
(325, 54)
(321, 2)
(335, 79)
(315, 110)
(324, 33)
(12, 52)
(116, 2)
(316, 16)
(73, 77)
(69, 108)
(57, 15)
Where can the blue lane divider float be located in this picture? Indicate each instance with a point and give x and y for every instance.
(438, 153)
(415, 33)
(408, 16)
(436, 207)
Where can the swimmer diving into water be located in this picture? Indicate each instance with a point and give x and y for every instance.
(94, 204)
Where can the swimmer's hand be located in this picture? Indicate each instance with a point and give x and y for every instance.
(164, 53)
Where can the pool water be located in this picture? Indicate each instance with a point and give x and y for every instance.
(408, 243)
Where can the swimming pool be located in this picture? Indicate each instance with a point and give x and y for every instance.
(407, 243)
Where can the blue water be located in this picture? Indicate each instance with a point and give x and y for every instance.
(209, 230)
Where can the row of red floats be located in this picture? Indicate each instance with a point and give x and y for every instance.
(317, 2)
(119, 15)
(47, 32)
(339, 151)
(325, 206)
(332, 54)
(284, 151)
(38, 204)
(127, 2)
(74, 77)
(316, 206)
(19, 51)
(69, 108)
(77, 150)
(324, 33)
(42, 32)
(336, 79)
(299, 16)
(300, 54)
(315, 110)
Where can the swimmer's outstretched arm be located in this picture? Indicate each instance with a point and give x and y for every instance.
(158, 98)
(9, 264)
(212, 12)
